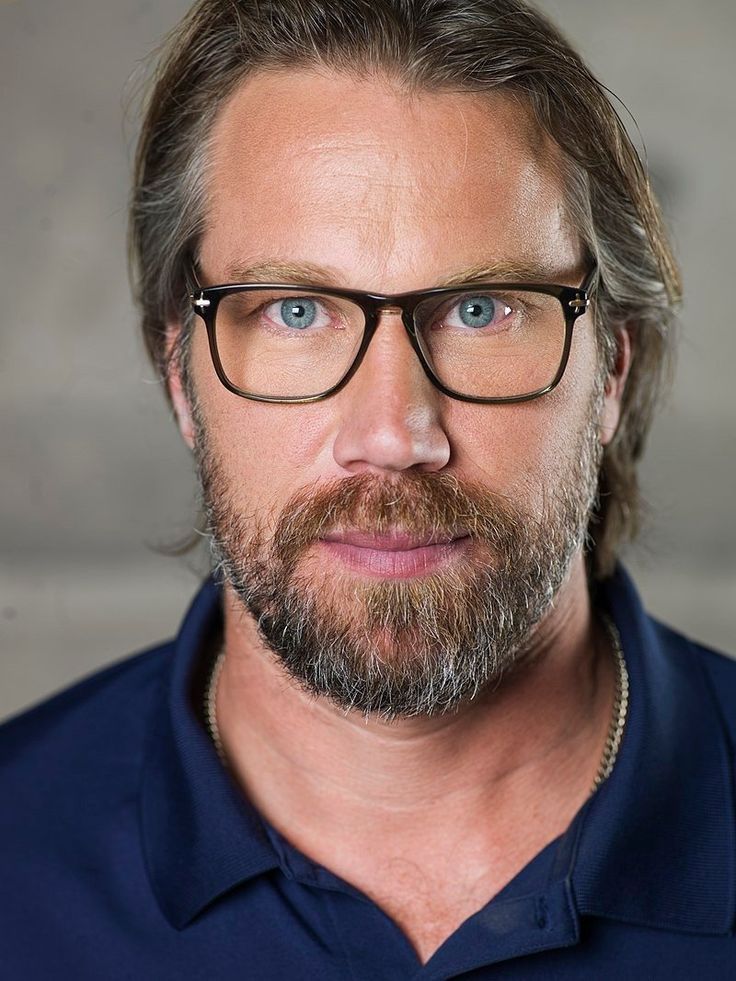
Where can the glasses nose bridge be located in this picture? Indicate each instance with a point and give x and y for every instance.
(398, 304)
(393, 305)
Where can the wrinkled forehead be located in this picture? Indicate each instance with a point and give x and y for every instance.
(315, 161)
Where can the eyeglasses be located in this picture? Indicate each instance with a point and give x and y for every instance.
(485, 342)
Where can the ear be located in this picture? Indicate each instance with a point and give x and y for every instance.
(177, 394)
(615, 384)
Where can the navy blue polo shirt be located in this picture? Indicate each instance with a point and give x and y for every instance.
(127, 852)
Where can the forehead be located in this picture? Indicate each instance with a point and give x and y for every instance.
(389, 190)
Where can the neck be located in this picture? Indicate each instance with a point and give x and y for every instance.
(532, 745)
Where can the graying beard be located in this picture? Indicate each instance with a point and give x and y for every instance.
(453, 641)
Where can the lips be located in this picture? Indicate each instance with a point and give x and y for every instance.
(392, 541)
(393, 554)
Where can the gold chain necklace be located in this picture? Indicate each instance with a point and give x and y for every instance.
(620, 707)
(210, 706)
(610, 750)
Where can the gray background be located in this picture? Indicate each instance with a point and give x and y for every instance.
(93, 475)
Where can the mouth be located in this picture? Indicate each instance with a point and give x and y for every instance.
(394, 554)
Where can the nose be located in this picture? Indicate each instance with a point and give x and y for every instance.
(390, 414)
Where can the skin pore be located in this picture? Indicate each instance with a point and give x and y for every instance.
(388, 192)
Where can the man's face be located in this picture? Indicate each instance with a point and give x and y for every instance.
(396, 546)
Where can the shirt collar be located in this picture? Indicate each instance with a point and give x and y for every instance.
(201, 836)
(654, 846)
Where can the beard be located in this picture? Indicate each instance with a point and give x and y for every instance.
(397, 648)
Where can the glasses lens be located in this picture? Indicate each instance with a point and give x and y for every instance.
(286, 344)
(502, 344)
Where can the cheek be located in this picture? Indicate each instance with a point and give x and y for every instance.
(525, 449)
(266, 452)
(511, 449)
(278, 445)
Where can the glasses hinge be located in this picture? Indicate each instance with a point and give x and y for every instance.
(201, 302)
(579, 303)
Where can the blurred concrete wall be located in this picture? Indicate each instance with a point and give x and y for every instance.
(92, 472)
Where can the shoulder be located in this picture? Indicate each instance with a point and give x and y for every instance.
(70, 772)
(718, 668)
(718, 663)
(95, 727)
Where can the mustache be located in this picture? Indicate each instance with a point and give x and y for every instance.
(429, 504)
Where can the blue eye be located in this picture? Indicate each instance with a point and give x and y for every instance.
(477, 311)
(299, 312)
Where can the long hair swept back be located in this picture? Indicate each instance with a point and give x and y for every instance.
(479, 46)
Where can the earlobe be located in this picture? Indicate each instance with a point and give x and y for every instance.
(177, 394)
(615, 384)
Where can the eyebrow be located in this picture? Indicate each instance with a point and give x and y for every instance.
(309, 274)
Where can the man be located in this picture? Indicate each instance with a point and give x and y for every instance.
(411, 296)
